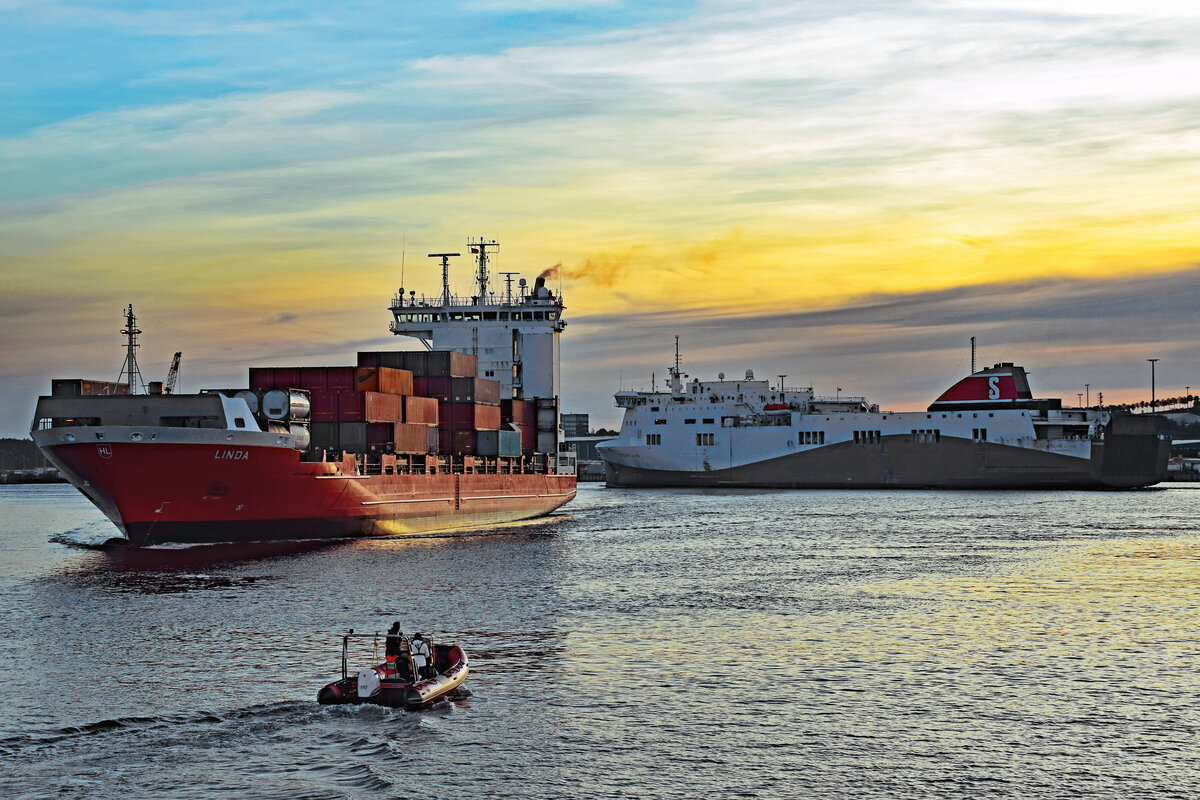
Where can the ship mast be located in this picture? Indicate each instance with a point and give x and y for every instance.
(479, 249)
(676, 383)
(130, 367)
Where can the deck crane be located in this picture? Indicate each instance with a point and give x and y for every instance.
(172, 375)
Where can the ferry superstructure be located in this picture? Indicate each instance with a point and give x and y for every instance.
(986, 431)
(250, 464)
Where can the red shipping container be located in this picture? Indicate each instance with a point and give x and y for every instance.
(469, 417)
(368, 359)
(411, 438)
(421, 410)
(528, 437)
(262, 377)
(324, 405)
(383, 379)
(313, 379)
(428, 386)
(459, 443)
(340, 379)
(286, 378)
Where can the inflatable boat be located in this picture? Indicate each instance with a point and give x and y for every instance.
(393, 683)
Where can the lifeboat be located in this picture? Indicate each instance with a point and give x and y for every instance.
(776, 408)
(393, 683)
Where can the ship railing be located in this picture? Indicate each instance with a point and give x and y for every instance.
(417, 303)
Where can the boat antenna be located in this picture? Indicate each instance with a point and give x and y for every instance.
(403, 247)
(972, 355)
(508, 278)
(445, 257)
(479, 249)
(130, 367)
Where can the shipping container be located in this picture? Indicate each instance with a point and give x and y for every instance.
(450, 364)
(286, 404)
(370, 407)
(325, 436)
(528, 437)
(458, 443)
(411, 438)
(84, 387)
(324, 405)
(521, 412)
(440, 389)
(388, 380)
(498, 443)
(313, 379)
(421, 410)
(434, 443)
(474, 390)
(262, 377)
(468, 417)
(340, 379)
(286, 378)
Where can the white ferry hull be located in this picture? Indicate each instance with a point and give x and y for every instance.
(896, 462)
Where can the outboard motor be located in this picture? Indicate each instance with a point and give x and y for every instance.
(368, 683)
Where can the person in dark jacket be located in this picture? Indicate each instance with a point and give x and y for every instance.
(395, 648)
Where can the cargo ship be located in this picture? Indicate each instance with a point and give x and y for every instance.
(460, 434)
(987, 431)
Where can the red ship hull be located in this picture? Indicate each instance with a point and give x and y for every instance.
(205, 493)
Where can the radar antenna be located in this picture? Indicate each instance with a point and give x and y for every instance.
(130, 367)
(172, 375)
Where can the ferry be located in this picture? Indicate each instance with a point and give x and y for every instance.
(987, 431)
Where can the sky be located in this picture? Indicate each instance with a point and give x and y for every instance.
(840, 192)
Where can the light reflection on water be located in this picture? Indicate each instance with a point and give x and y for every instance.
(665, 644)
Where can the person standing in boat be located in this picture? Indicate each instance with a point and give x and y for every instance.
(420, 656)
(395, 647)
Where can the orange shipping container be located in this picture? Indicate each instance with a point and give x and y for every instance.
(370, 407)
(384, 379)
(421, 410)
(412, 438)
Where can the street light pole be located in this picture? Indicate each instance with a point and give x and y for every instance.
(1152, 360)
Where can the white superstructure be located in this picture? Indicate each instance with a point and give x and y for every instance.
(513, 333)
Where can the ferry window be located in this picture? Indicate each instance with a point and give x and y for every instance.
(490, 350)
(991, 414)
(983, 434)
(238, 421)
(473, 316)
(528, 316)
(937, 434)
(489, 316)
(539, 315)
(709, 420)
(660, 422)
(457, 315)
(856, 437)
(551, 315)
(504, 315)
(974, 433)
(654, 408)
(822, 437)
(689, 422)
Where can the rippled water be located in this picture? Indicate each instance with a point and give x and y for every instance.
(642, 643)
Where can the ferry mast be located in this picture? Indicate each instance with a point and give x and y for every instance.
(514, 335)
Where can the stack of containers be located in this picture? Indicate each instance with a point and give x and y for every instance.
(467, 412)
(357, 409)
